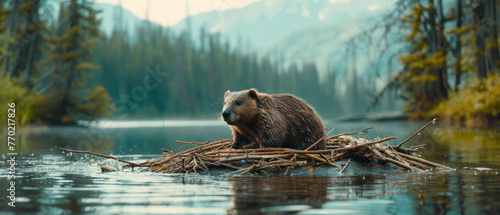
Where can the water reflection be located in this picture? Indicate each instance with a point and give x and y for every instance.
(53, 183)
(435, 193)
(462, 147)
(252, 195)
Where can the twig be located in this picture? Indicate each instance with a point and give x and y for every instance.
(330, 131)
(254, 157)
(399, 163)
(185, 142)
(419, 130)
(378, 135)
(100, 155)
(226, 165)
(439, 166)
(363, 145)
(202, 163)
(349, 161)
(324, 157)
(194, 149)
(349, 133)
(321, 160)
(315, 143)
(396, 156)
(378, 154)
(338, 155)
(418, 165)
(417, 146)
(322, 138)
(240, 170)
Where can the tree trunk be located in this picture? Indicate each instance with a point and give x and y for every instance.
(458, 48)
(435, 43)
(11, 19)
(495, 55)
(72, 49)
(33, 45)
(443, 76)
(477, 16)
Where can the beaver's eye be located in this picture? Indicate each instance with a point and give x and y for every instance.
(237, 102)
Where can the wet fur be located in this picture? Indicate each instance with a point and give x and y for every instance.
(269, 121)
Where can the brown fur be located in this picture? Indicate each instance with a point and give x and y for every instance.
(268, 121)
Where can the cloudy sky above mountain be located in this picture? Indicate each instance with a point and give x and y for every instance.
(170, 12)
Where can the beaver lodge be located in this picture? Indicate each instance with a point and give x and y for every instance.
(219, 155)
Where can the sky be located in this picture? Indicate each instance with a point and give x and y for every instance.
(169, 12)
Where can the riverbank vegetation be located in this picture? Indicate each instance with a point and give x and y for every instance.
(450, 58)
(16, 93)
(45, 66)
(477, 104)
(446, 48)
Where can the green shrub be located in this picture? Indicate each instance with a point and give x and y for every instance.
(14, 92)
(481, 98)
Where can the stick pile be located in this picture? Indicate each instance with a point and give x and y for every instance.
(218, 154)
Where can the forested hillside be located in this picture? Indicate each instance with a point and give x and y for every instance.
(62, 70)
(193, 80)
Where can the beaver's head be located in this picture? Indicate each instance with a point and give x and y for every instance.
(240, 107)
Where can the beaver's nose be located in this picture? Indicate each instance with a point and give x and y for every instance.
(225, 113)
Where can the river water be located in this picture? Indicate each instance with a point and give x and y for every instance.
(49, 182)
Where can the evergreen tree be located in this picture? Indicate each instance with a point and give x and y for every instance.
(68, 100)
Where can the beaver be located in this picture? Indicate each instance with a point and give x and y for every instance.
(272, 121)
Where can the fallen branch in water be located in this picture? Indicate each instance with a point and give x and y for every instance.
(100, 155)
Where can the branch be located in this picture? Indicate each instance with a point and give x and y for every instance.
(100, 155)
(363, 145)
(420, 130)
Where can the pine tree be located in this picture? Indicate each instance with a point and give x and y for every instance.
(70, 55)
(4, 36)
(9, 39)
(424, 76)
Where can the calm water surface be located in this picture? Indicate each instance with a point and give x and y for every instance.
(49, 182)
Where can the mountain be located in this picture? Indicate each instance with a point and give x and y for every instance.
(265, 22)
(327, 45)
(110, 16)
(292, 31)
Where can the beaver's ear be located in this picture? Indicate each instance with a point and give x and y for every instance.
(227, 93)
(252, 93)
